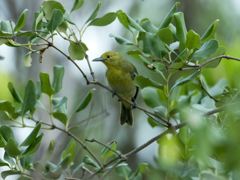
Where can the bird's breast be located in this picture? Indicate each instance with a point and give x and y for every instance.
(121, 82)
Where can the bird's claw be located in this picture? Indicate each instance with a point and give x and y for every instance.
(134, 105)
(113, 93)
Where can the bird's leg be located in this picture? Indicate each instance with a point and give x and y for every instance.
(134, 105)
(113, 93)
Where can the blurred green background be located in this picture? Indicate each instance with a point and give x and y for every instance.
(101, 119)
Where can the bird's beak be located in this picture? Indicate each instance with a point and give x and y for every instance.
(99, 59)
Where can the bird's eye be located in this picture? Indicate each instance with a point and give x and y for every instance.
(108, 56)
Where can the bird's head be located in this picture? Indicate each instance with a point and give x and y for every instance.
(110, 58)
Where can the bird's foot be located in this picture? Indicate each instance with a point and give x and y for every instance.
(113, 93)
(134, 105)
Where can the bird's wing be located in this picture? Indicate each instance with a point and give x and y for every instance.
(134, 73)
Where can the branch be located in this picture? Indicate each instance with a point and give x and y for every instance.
(16, 35)
(86, 57)
(74, 137)
(218, 57)
(129, 102)
(206, 62)
(94, 140)
(51, 44)
(203, 88)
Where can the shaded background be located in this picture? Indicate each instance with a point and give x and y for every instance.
(101, 118)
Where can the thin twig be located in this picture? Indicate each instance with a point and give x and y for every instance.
(51, 44)
(218, 57)
(206, 62)
(86, 57)
(129, 102)
(86, 169)
(94, 140)
(203, 88)
(12, 29)
(16, 35)
(74, 137)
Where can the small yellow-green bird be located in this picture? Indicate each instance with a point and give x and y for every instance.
(120, 74)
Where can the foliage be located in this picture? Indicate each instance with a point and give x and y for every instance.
(201, 123)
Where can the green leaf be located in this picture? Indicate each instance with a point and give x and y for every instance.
(61, 117)
(33, 147)
(70, 150)
(60, 105)
(3, 163)
(77, 4)
(221, 51)
(151, 97)
(158, 65)
(49, 152)
(26, 160)
(55, 174)
(65, 162)
(55, 21)
(86, 100)
(182, 56)
(149, 27)
(193, 40)
(2, 41)
(49, 6)
(29, 100)
(121, 40)
(45, 84)
(8, 159)
(67, 18)
(104, 21)
(21, 21)
(3, 142)
(59, 101)
(15, 95)
(122, 17)
(127, 21)
(32, 136)
(6, 133)
(147, 43)
(4, 116)
(123, 170)
(180, 26)
(210, 32)
(186, 80)
(207, 49)
(87, 160)
(57, 78)
(165, 34)
(7, 106)
(143, 82)
(12, 148)
(76, 52)
(169, 17)
(63, 27)
(158, 47)
(4, 174)
(137, 54)
(106, 153)
(94, 14)
(77, 168)
(142, 167)
(27, 60)
(161, 111)
(6, 27)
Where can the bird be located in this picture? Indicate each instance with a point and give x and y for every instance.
(120, 74)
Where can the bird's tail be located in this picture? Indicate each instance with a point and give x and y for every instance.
(126, 115)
